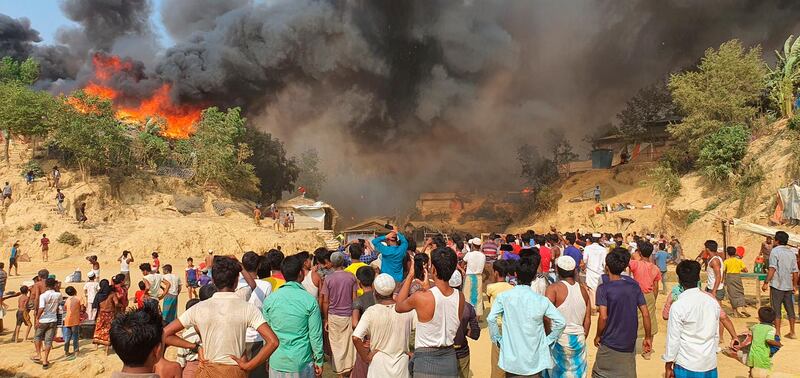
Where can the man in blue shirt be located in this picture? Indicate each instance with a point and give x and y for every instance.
(618, 298)
(524, 346)
(573, 252)
(660, 258)
(392, 253)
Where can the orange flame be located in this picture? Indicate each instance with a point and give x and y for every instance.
(180, 119)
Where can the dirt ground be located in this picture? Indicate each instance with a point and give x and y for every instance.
(94, 363)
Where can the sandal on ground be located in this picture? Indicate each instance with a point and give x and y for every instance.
(45, 366)
(36, 360)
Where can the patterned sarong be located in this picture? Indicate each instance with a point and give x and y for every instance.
(472, 292)
(170, 309)
(569, 354)
(435, 362)
(103, 327)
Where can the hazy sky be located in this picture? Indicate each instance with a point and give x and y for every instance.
(46, 16)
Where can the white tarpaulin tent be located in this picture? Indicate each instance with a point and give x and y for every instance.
(739, 224)
(790, 197)
(309, 214)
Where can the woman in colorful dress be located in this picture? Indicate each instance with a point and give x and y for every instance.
(106, 303)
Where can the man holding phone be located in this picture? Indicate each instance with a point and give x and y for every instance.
(392, 248)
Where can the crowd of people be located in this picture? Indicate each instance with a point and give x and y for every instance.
(390, 308)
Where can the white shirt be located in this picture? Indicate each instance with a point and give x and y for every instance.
(91, 288)
(174, 283)
(476, 261)
(124, 266)
(155, 283)
(257, 297)
(693, 331)
(48, 302)
(388, 333)
(223, 319)
(594, 256)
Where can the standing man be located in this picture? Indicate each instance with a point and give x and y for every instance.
(438, 317)
(257, 215)
(12, 261)
(594, 256)
(45, 244)
(338, 292)
(45, 322)
(392, 253)
(153, 282)
(618, 299)
(7, 194)
(296, 319)
(597, 193)
(388, 331)
(254, 341)
(714, 283)
(170, 305)
(60, 201)
(572, 301)
(692, 331)
(56, 177)
(524, 345)
(647, 275)
(475, 262)
(782, 281)
(222, 320)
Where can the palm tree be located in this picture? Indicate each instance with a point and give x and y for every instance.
(783, 79)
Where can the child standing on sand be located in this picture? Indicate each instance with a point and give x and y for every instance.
(156, 262)
(24, 307)
(72, 323)
(192, 277)
(759, 359)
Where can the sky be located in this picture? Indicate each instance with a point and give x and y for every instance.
(46, 17)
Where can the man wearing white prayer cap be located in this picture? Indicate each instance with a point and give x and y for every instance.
(388, 332)
(594, 256)
(572, 301)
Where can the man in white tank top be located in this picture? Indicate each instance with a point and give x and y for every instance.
(438, 317)
(571, 300)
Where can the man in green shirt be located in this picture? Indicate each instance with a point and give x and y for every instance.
(295, 317)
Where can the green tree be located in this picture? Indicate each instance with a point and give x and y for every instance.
(149, 148)
(538, 172)
(276, 172)
(311, 177)
(722, 152)
(219, 156)
(560, 148)
(93, 138)
(783, 79)
(723, 91)
(650, 104)
(23, 111)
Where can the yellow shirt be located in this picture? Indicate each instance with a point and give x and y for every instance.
(352, 268)
(493, 290)
(275, 282)
(733, 265)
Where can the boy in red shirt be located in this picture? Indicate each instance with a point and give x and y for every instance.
(140, 295)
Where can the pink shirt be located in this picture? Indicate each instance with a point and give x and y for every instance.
(645, 272)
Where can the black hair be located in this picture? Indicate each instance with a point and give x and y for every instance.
(23, 289)
(191, 303)
(688, 272)
(662, 246)
(365, 275)
(145, 267)
(135, 334)
(444, 260)
(552, 238)
(70, 291)
(355, 250)
(458, 241)
(412, 245)
(290, 267)
(506, 247)
(118, 279)
(50, 282)
(731, 251)
(207, 291)
(501, 267)
(142, 286)
(645, 249)
(565, 273)
(321, 255)
(43, 274)
(439, 241)
(274, 259)
(190, 259)
(711, 245)
(539, 239)
(226, 272)
(263, 270)
(250, 261)
(304, 255)
(510, 238)
(155, 255)
(617, 260)
(571, 237)
(420, 264)
(766, 314)
(167, 268)
(782, 238)
(525, 273)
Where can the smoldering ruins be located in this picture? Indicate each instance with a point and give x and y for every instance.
(402, 97)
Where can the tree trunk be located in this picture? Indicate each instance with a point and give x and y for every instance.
(33, 147)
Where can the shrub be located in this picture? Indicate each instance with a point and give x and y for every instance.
(69, 238)
(693, 216)
(722, 152)
(665, 181)
(794, 122)
(33, 165)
